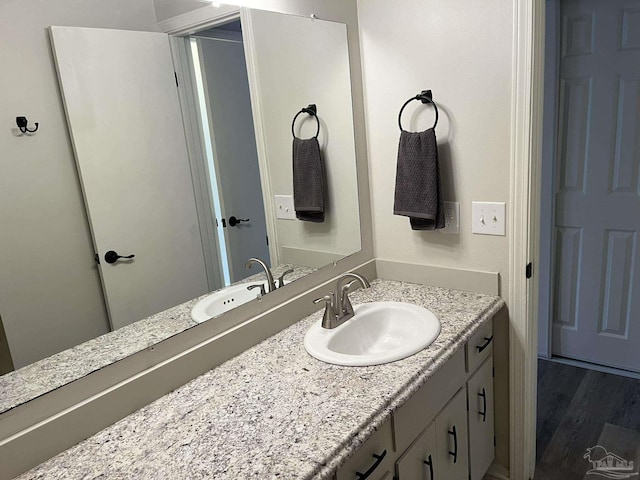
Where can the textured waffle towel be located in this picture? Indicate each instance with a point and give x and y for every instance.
(418, 190)
(308, 180)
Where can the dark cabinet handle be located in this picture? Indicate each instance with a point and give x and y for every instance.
(484, 407)
(233, 221)
(429, 462)
(485, 344)
(113, 257)
(362, 476)
(455, 444)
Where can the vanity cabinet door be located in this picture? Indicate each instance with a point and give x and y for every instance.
(419, 461)
(375, 457)
(451, 439)
(481, 416)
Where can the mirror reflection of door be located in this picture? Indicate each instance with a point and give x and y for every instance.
(222, 86)
(124, 119)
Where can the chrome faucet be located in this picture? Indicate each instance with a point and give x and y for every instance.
(271, 285)
(338, 307)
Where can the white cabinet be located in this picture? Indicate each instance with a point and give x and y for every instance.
(452, 440)
(481, 416)
(445, 431)
(419, 461)
(373, 460)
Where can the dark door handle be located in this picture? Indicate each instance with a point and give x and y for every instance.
(113, 257)
(429, 462)
(233, 221)
(483, 394)
(367, 474)
(454, 454)
(487, 342)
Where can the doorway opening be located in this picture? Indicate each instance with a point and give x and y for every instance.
(234, 196)
(589, 299)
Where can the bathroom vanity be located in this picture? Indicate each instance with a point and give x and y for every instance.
(275, 412)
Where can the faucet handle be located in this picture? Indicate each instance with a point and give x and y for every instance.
(260, 286)
(329, 317)
(281, 279)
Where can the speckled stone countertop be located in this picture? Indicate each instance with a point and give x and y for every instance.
(52, 372)
(273, 411)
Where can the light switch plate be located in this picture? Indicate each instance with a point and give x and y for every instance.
(488, 218)
(284, 207)
(451, 218)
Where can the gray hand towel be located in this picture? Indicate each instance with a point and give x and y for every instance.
(418, 191)
(308, 180)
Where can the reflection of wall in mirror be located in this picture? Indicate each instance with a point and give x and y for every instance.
(50, 293)
(300, 61)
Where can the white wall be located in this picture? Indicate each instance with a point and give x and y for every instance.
(50, 295)
(299, 61)
(462, 51)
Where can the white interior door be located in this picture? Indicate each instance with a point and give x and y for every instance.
(596, 314)
(226, 85)
(124, 118)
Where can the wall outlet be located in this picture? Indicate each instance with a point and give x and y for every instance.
(451, 218)
(284, 207)
(488, 218)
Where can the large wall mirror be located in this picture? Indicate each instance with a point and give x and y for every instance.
(177, 150)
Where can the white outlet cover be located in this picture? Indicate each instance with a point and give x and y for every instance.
(284, 207)
(488, 218)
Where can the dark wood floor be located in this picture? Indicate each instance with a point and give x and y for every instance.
(578, 409)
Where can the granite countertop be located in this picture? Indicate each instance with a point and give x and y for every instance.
(38, 378)
(273, 411)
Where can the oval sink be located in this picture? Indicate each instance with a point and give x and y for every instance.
(379, 332)
(224, 300)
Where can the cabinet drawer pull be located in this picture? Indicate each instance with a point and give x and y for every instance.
(379, 458)
(484, 407)
(429, 462)
(455, 444)
(485, 344)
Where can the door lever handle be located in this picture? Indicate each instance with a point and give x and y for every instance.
(113, 257)
(233, 221)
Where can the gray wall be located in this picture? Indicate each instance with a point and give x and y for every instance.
(50, 294)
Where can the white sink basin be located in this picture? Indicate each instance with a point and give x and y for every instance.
(224, 300)
(379, 332)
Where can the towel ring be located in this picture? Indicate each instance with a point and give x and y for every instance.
(311, 110)
(424, 96)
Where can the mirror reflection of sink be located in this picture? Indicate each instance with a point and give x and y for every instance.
(379, 332)
(224, 300)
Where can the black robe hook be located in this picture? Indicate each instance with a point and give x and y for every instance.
(22, 123)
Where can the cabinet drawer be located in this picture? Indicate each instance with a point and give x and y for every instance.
(368, 455)
(419, 462)
(420, 410)
(480, 346)
(481, 417)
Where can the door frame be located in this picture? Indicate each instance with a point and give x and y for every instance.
(186, 24)
(524, 242)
